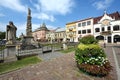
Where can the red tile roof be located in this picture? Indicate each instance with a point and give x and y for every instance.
(115, 15)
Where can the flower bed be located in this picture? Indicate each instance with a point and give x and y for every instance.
(92, 59)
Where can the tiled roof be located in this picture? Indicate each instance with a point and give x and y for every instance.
(114, 15)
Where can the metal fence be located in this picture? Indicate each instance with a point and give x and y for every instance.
(28, 52)
(2, 48)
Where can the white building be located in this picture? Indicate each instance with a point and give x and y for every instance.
(107, 27)
(84, 27)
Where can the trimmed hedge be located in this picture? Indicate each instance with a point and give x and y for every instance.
(89, 39)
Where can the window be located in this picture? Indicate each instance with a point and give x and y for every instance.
(89, 31)
(108, 28)
(103, 29)
(84, 24)
(79, 24)
(116, 28)
(88, 22)
(97, 30)
(84, 31)
(79, 32)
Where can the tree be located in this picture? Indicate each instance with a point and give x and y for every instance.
(2, 35)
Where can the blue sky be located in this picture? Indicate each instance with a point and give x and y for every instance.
(55, 13)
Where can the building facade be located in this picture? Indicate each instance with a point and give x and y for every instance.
(56, 35)
(71, 31)
(105, 28)
(40, 33)
(84, 27)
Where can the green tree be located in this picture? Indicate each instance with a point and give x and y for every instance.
(2, 35)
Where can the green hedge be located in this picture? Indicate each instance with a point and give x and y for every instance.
(89, 39)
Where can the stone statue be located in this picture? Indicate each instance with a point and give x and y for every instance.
(11, 33)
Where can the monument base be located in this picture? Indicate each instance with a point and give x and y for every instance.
(27, 43)
(10, 53)
(28, 39)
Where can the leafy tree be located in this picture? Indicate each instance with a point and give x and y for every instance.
(2, 35)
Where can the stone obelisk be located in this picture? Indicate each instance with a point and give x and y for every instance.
(29, 24)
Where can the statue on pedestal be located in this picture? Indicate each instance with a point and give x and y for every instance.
(11, 33)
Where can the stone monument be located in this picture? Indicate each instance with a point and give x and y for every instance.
(28, 39)
(10, 53)
(11, 33)
(29, 24)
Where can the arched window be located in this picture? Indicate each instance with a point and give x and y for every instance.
(116, 28)
(103, 29)
(100, 37)
(108, 28)
(97, 30)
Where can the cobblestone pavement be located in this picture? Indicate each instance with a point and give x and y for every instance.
(50, 55)
(117, 51)
(60, 68)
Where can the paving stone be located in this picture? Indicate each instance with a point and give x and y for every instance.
(57, 67)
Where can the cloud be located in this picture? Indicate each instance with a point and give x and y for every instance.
(56, 6)
(47, 10)
(44, 16)
(102, 4)
(13, 4)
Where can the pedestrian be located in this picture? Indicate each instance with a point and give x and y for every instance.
(104, 45)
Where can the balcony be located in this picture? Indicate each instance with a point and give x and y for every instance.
(106, 33)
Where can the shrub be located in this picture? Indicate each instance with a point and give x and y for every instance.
(91, 58)
(89, 39)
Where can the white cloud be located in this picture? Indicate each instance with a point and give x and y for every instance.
(56, 6)
(46, 10)
(13, 4)
(102, 4)
(44, 16)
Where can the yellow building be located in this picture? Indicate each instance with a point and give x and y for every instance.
(71, 31)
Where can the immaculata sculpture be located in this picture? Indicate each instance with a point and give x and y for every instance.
(27, 40)
(11, 33)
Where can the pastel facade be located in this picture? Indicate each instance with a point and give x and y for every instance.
(71, 31)
(105, 28)
(40, 33)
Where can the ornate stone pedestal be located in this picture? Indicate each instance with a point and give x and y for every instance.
(10, 53)
(28, 39)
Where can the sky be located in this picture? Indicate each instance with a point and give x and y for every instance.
(54, 13)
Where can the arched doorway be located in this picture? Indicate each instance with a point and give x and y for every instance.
(100, 37)
(116, 38)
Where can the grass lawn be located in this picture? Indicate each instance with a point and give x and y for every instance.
(6, 67)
